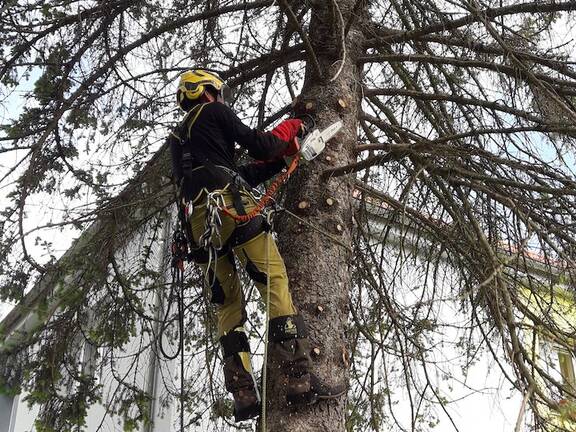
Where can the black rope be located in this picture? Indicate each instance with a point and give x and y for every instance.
(180, 277)
(179, 255)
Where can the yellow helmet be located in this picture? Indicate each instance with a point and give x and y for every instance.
(193, 84)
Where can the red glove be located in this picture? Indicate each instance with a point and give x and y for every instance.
(287, 131)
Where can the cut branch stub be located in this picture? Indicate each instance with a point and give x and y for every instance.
(345, 357)
(303, 205)
(302, 107)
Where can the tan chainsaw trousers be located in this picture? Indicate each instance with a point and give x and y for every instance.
(249, 244)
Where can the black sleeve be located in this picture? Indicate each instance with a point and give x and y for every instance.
(260, 145)
(176, 153)
(258, 172)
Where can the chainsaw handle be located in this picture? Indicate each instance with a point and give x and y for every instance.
(308, 124)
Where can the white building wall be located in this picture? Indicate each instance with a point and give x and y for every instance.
(138, 373)
(6, 407)
(23, 416)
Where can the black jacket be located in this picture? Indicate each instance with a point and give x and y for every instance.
(215, 129)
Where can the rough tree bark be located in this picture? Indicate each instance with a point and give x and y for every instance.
(318, 268)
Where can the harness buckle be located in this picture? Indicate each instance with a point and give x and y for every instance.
(179, 249)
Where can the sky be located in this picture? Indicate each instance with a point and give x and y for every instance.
(10, 108)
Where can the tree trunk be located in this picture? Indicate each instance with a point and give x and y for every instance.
(319, 268)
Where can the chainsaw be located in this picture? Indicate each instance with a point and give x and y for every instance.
(313, 141)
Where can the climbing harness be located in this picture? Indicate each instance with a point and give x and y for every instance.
(197, 153)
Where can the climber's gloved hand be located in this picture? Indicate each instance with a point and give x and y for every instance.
(293, 147)
(307, 125)
(287, 131)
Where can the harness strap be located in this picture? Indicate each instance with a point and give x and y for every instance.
(214, 170)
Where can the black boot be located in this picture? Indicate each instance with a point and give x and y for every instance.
(238, 376)
(290, 340)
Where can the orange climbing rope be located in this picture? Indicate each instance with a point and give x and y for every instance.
(268, 196)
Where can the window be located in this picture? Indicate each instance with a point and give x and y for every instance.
(566, 363)
(559, 364)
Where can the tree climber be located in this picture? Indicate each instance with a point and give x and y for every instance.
(203, 148)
